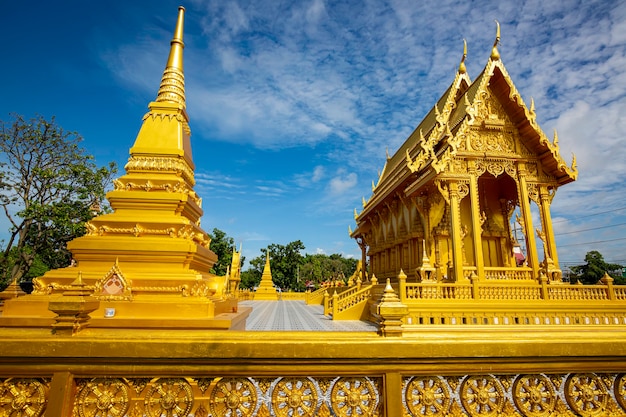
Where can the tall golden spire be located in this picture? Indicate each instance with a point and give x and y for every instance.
(165, 131)
(462, 68)
(495, 55)
(172, 88)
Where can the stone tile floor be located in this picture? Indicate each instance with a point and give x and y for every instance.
(295, 315)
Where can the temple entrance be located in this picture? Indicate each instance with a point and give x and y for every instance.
(498, 200)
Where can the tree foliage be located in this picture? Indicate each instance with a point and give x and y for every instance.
(223, 246)
(595, 268)
(49, 188)
(319, 268)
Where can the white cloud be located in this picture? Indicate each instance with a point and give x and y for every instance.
(318, 173)
(342, 183)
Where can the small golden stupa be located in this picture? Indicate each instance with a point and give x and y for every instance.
(266, 289)
(147, 262)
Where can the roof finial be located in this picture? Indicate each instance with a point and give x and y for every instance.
(462, 69)
(495, 55)
(172, 88)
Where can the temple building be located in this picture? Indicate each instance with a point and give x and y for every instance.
(445, 202)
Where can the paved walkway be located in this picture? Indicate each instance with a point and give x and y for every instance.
(296, 315)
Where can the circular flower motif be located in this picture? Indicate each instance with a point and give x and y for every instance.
(103, 397)
(620, 390)
(233, 397)
(534, 395)
(482, 396)
(172, 397)
(22, 397)
(427, 396)
(353, 396)
(586, 394)
(294, 397)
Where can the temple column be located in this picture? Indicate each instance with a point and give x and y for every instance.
(476, 224)
(456, 234)
(529, 233)
(546, 223)
(361, 242)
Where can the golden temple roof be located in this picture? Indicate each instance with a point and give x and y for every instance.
(457, 106)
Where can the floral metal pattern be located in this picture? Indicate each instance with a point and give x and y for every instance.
(103, 397)
(294, 397)
(534, 395)
(528, 395)
(23, 397)
(482, 395)
(620, 390)
(233, 397)
(171, 397)
(427, 396)
(353, 396)
(586, 394)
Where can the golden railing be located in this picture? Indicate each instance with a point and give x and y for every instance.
(481, 302)
(491, 291)
(508, 274)
(392, 393)
(338, 304)
(288, 295)
(315, 297)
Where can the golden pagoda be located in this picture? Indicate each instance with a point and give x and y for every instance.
(147, 262)
(443, 206)
(266, 289)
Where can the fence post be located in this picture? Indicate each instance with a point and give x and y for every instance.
(60, 403)
(402, 286)
(326, 296)
(474, 280)
(543, 281)
(610, 289)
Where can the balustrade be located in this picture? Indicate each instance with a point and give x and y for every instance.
(567, 393)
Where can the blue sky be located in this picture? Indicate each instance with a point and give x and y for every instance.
(294, 103)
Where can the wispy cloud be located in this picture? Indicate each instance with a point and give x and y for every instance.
(342, 182)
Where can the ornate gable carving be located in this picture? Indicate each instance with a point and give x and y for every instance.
(113, 286)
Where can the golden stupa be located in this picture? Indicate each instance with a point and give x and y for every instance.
(266, 289)
(147, 262)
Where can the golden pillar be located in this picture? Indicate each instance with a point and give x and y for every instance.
(476, 224)
(546, 222)
(456, 234)
(361, 242)
(531, 246)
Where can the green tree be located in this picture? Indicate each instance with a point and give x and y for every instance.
(319, 267)
(250, 278)
(595, 268)
(223, 246)
(285, 262)
(49, 188)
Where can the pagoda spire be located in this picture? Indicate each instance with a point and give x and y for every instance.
(165, 133)
(172, 88)
(462, 68)
(495, 55)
